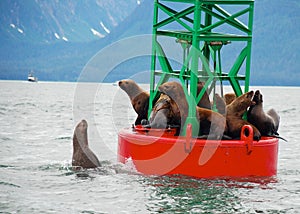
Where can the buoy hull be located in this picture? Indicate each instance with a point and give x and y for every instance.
(161, 153)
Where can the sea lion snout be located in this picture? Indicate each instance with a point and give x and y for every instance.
(122, 82)
(125, 82)
(81, 127)
(257, 98)
(250, 94)
(84, 124)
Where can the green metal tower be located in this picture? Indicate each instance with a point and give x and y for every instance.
(202, 28)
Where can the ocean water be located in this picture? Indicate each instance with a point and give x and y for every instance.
(36, 127)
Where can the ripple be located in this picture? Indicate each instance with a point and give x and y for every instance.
(6, 138)
(9, 184)
(63, 138)
(25, 104)
(290, 110)
(6, 166)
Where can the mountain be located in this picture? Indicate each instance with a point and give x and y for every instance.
(51, 21)
(276, 43)
(57, 39)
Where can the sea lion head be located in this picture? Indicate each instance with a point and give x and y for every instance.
(173, 89)
(139, 98)
(130, 87)
(80, 134)
(240, 104)
(178, 101)
(258, 97)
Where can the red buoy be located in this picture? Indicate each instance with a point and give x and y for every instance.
(159, 152)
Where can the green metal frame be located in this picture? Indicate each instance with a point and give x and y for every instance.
(199, 22)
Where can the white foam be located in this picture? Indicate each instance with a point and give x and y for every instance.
(20, 30)
(105, 28)
(65, 38)
(96, 33)
(57, 36)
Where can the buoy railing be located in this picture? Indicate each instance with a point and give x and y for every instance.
(196, 27)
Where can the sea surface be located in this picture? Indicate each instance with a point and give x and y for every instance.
(37, 121)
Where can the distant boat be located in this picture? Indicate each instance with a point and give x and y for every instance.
(31, 77)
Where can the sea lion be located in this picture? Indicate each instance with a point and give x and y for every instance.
(83, 157)
(209, 121)
(139, 98)
(204, 101)
(162, 114)
(229, 97)
(220, 104)
(266, 123)
(234, 115)
(159, 117)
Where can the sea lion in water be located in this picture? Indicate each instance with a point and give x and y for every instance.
(209, 121)
(266, 123)
(235, 111)
(139, 98)
(83, 157)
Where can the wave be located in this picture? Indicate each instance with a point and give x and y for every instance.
(24, 104)
(9, 184)
(63, 138)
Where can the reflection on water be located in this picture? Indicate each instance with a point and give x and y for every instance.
(180, 194)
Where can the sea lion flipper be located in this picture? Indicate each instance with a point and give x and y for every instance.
(279, 137)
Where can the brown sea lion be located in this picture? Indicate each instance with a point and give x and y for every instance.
(266, 123)
(204, 101)
(139, 98)
(220, 104)
(234, 115)
(211, 122)
(162, 114)
(83, 157)
(229, 97)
